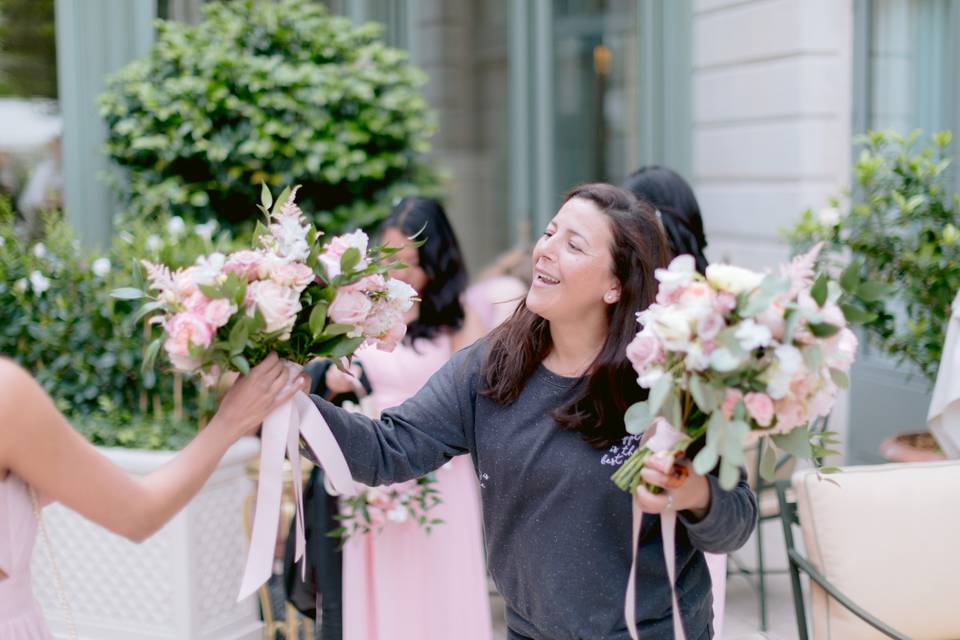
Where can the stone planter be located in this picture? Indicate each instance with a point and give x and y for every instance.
(181, 584)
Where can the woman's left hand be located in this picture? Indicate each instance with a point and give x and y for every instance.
(681, 492)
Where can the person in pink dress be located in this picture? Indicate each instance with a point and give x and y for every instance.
(42, 460)
(402, 582)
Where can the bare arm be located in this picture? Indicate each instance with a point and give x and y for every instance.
(40, 446)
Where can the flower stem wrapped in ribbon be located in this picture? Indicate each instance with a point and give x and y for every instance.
(734, 358)
(291, 295)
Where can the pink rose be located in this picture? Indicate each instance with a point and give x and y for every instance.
(394, 335)
(643, 351)
(823, 400)
(183, 330)
(791, 413)
(730, 400)
(725, 302)
(278, 305)
(245, 264)
(665, 437)
(218, 312)
(760, 408)
(350, 307)
(709, 326)
(291, 274)
(670, 293)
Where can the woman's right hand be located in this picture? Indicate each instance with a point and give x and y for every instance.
(254, 396)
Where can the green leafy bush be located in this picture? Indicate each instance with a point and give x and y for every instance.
(902, 242)
(276, 92)
(58, 320)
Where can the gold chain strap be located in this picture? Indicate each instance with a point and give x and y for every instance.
(57, 577)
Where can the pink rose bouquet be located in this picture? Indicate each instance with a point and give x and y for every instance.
(735, 357)
(288, 294)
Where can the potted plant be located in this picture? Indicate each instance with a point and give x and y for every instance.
(900, 236)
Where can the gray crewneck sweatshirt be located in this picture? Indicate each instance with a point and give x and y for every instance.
(557, 529)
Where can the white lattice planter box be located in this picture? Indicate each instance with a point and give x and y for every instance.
(181, 584)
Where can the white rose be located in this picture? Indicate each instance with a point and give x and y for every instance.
(101, 267)
(176, 226)
(278, 305)
(400, 294)
(39, 282)
(650, 378)
(154, 243)
(829, 216)
(673, 327)
(680, 271)
(733, 279)
(39, 250)
(752, 335)
(788, 357)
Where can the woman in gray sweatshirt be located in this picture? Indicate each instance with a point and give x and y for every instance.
(539, 406)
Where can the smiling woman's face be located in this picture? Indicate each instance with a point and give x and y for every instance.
(572, 264)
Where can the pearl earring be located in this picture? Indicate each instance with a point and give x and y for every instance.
(610, 297)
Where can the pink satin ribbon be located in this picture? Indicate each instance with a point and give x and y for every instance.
(668, 526)
(281, 435)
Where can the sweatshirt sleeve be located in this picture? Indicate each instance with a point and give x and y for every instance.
(729, 521)
(415, 438)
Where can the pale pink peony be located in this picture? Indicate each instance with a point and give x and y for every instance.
(760, 408)
(821, 404)
(278, 305)
(218, 312)
(644, 350)
(245, 264)
(730, 400)
(183, 330)
(670, 293)
(350, 307)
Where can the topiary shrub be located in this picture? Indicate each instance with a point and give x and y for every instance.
(275, 92)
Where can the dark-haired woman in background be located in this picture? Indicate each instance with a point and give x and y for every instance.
(539, 407)
(403, 582)
(680, 215)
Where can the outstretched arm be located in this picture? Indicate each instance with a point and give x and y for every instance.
(415, 438)
(40, 446)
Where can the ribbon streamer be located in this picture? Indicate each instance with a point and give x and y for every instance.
(282, 430)
(668, 525)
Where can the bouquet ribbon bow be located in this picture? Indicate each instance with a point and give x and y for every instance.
(282, 430)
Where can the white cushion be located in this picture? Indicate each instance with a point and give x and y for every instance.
(888, 537)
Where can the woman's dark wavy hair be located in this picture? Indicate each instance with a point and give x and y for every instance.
(680, 213)
(441, 260)
(519, 345)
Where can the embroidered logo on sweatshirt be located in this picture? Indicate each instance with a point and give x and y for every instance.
(620, 452)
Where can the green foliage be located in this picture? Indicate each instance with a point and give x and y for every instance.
(268, 92)
(902, 235)
(58, 320)
(28, 50)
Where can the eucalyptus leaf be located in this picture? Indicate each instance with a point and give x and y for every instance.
(127, 293)
(768, 461)
(703, 394)
(706, 460)
(637, 417)
(839, 378)
(796, 443)
(659, 393)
